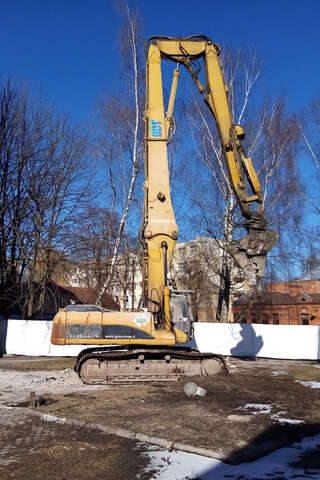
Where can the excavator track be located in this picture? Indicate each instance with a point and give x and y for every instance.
(140, 364)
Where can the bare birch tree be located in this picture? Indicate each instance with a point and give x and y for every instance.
(91, 242)
(313, 125)
(271, 139)
(130, 142)
(310, 130)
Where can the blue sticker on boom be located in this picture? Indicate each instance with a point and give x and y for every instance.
(156, 130)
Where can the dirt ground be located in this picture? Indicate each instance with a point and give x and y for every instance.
(219, 420)
(259, 403)
(34, 449)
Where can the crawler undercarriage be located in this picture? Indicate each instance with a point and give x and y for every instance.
(134, 364)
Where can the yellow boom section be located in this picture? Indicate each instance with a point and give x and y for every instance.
(215, 92)
(160, 231)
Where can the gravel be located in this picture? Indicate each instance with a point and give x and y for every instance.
(17, 385)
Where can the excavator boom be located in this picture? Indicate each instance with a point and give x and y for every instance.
(142, 345)
(249, 252)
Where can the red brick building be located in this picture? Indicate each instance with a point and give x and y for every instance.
(283, 303)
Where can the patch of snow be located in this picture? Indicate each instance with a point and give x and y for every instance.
(186, 466)
(286, 420)
(309, 384)
(280, 372)
(259, 407)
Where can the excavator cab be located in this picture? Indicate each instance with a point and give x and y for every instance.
(181, 313)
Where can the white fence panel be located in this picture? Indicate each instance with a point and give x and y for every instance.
(270, 341)
(32, 337)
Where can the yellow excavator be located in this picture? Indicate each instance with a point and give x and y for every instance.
(150, 344)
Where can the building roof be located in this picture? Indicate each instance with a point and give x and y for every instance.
(275, 298)
(89, 295)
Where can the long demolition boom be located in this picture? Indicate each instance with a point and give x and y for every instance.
(160, 232)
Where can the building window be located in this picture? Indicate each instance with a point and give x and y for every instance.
(275, 318)
(265, 318)
(304, 319)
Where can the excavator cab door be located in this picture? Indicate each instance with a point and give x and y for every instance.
(181, 314)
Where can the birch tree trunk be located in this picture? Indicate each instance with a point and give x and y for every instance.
(135, 147)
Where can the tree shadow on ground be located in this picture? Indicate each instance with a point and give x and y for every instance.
(304, 461)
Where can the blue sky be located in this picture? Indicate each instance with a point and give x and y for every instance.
(69, 48)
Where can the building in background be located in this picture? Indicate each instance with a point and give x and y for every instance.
(196, 266)
(283, 303)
